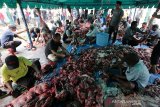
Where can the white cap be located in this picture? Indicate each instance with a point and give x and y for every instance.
(12, 26)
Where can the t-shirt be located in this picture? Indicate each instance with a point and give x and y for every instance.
(130, 33)
(7, 36)
(116, 18)
(155, 35)
(17, 73)
(138, 73)
(51, 45)
(143, 29)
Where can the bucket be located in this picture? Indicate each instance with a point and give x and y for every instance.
(102, 39)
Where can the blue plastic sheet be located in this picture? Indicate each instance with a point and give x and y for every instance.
(79, 49)
(152, 78)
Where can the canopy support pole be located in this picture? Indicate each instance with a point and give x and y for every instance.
(134, 13)
(24, 19)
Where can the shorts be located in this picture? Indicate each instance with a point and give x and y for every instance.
(52, 57)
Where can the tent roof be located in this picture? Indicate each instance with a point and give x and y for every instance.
(78, 3)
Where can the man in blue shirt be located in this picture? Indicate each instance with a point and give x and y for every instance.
(7, 38)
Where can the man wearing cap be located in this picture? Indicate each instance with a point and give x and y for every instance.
(8, 36)
(18, 70)
(117, 15)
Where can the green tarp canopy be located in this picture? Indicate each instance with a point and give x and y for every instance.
(78, 3)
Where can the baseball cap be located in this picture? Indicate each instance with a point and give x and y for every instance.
(12, 26)
(12, 62)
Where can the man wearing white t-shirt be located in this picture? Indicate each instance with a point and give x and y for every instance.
(137, 74)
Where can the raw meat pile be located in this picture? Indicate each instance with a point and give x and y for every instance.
(38, 96)
(153, 91)
(105, 57)
(71, 85)
(145, 55)
(76, 84)
(76, 79)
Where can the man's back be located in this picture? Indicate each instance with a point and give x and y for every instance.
(7, 36)
(138, 73)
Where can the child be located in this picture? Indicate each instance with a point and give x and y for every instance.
(137, 74)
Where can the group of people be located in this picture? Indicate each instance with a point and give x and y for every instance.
(78, 32)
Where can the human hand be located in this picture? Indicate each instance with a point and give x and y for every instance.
(38, 74)
(62, 55)
(143, 39)
(10, 92)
